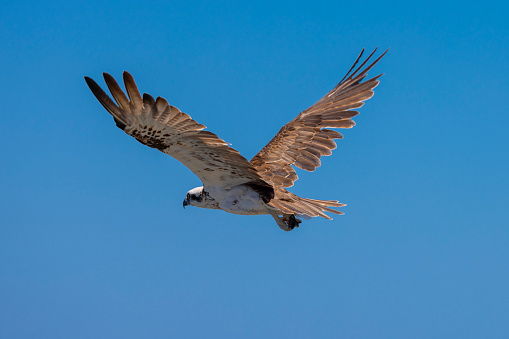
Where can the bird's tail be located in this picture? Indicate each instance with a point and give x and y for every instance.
(293, 204)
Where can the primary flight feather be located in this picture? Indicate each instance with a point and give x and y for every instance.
(231, 182)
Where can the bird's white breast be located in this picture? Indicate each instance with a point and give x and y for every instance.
(239, 199)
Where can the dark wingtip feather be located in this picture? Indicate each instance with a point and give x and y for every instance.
(364, 62)
(148, 99)
(354, 64)
(107, 76)
(91, 84)
(132, 90)
(116, 91)
(105, 100)
(97, 91)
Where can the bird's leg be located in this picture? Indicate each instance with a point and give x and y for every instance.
(287, 222)
(279, 221)
(291, 220)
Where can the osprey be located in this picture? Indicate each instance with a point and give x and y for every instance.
(230, 182)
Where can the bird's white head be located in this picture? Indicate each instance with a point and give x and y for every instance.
(200, 198)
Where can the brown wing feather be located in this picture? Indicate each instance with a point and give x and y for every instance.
(302, 141)
(157, 124)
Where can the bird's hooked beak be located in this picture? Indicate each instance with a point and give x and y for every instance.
(186, 202)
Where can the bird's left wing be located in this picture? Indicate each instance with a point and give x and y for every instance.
(159, 125)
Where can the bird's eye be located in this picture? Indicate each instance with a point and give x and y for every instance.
(188, 196)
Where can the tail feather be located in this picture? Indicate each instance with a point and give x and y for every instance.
(290, 203)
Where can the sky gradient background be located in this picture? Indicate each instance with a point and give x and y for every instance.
(94, 242)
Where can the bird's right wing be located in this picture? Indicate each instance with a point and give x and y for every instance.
(302, 141)
(157, 124)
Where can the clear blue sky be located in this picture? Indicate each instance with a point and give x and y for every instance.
(94, 242)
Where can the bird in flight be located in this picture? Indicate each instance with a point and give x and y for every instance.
(230, 182)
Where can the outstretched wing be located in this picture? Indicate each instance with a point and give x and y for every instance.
(157, 124)
(302, 141)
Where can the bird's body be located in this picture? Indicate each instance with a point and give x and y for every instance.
(240, 199)
(230, 182)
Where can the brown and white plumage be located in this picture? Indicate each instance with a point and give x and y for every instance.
(231, 182)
